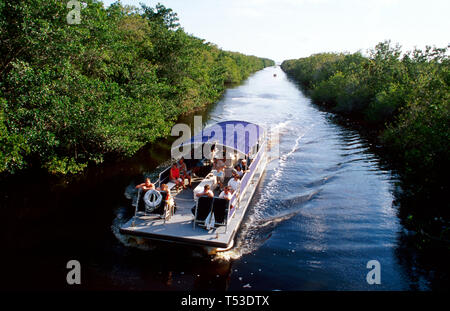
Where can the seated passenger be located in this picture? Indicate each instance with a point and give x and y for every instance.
(206, 192)
(196, 169)
(199, 164)
(175, 176)
(219, 166)
(238, 170)
(169, 198)
(147, 185)
(226, 193)
(234, 183)
(184, 173)
(244, 165)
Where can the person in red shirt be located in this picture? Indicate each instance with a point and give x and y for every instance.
(175, 176)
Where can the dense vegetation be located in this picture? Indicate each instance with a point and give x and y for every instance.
(71, 94)
(404, 97)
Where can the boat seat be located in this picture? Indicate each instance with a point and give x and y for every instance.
(140, 204)
(161, 208)
(203, 209)
(170, 185)
(221, 209)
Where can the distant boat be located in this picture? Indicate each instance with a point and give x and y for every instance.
(195, 228)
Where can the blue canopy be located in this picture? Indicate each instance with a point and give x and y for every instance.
(239, 135)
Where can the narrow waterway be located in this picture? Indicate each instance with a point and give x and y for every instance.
(323, 210)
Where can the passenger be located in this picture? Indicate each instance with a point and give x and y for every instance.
(235, 183)
(147, 185)
(206, 192)
(226, 193)
(238, 170)
(175, 176)
(219, 166)
(184, 173)
(169, 198)
(212, 153)
(221, 162)
(196, 169)
(244, 166)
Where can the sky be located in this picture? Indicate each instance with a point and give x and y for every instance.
(287, 29)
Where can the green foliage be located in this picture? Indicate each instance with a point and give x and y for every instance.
(12, 146)
(406, 97)
(71, 94)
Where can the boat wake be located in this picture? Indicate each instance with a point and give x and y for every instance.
(269, 211)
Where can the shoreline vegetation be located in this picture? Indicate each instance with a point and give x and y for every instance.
(74, 95)
(403, 101)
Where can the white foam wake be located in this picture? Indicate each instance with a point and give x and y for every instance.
(251, 237)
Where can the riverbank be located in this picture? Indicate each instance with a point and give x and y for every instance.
(75, 95)
(401, 101)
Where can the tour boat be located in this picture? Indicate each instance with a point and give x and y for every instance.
(209, 222)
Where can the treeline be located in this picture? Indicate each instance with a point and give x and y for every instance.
(71, 94)
(403, 96)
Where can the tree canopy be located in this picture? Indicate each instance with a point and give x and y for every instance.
(73, 94)
(405, 96)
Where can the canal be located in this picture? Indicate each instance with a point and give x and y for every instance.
(324, 208)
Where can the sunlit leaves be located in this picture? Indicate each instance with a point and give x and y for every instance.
(407, 96)
(73, 94)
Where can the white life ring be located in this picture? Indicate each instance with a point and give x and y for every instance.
(152, 199)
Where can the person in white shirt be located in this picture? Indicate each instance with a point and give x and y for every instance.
(234, 183)
(226, 193)
(219, 167)
(238, 170)
(206, 192)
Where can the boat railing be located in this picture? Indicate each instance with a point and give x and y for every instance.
(234, 204)
(163, 177)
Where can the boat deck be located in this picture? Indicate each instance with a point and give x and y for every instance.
(179, 228)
